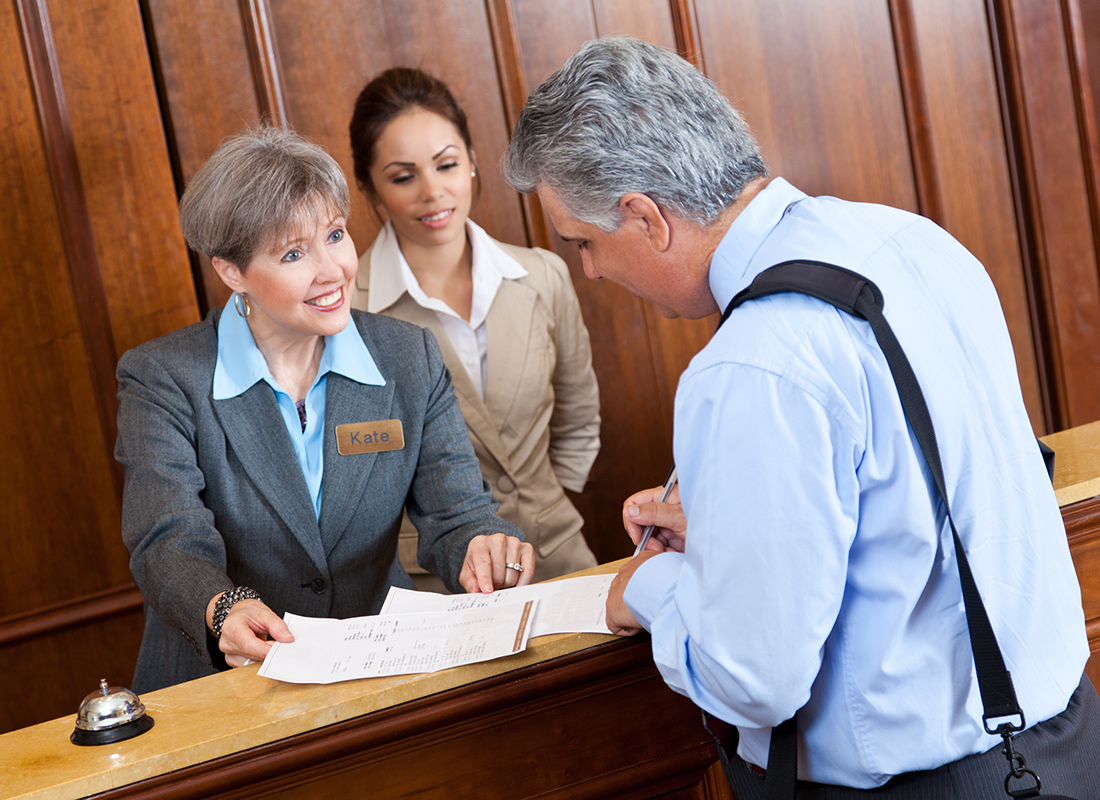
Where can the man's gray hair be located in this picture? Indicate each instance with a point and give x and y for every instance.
(257, 189)
(625, 116)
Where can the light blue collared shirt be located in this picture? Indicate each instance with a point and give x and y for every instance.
(240, 365)
(818, 569)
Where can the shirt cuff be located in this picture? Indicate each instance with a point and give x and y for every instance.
(652, 585)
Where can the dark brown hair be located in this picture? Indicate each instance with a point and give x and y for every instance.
(387, 96)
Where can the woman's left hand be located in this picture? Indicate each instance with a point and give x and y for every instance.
(487, 563)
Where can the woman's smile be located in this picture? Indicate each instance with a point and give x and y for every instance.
(328, 302)
(438, 219)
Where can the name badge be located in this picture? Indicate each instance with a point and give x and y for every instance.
(369, 437)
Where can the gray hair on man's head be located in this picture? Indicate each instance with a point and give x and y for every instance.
(256, 190)
(625, 116)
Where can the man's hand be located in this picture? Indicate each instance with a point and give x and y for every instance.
(618, 617)
(644, 508)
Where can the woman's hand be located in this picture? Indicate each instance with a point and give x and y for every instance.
(248, 630)
(487, 559)
(644, 508)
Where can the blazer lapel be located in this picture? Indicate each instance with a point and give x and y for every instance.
(257, 435)
(479, 420)
(345, 477)
(509, 340)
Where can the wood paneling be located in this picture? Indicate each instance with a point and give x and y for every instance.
(978, 113)
(1083, 529)
(818, 84)
(58, 668)
(207, 91)
(1050, 144)
(129, 192)
(965, 168)
(98, 265)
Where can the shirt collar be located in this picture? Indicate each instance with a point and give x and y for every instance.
(240, 363)
(386, 286)
(489, 257)
(729, 268)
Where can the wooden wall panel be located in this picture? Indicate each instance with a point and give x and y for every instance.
(128, 184)
(99, 265)
(207, 91)
(818, 85)
(966, 169)
(1051, 147)
(52, 425)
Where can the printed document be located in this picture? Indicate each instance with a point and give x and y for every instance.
(331, 650)
(571, 605)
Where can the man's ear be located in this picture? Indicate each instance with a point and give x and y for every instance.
(641, 210)
(229, 273)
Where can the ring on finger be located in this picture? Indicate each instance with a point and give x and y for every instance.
(514, 565)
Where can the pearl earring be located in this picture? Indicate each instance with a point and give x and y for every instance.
(473, 174)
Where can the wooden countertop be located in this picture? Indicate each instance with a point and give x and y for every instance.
(229, 712)
(1076, 462)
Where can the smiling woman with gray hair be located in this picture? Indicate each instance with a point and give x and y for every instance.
(270, 450)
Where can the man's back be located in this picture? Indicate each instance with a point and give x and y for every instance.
(816, 553)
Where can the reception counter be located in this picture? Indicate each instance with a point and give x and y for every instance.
(1077, 486)
(574, 716)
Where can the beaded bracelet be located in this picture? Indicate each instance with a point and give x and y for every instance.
(226, 602)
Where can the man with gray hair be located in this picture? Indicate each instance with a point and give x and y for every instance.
(806, 563)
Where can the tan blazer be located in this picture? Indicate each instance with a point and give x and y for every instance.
(537, 430)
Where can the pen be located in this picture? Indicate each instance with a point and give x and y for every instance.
(670, 481)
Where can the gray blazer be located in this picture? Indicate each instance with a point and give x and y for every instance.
(214, 496)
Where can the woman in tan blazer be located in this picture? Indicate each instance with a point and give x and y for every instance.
(506, 317)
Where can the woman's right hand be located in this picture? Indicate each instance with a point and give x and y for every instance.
(645, 508)
(249, 630)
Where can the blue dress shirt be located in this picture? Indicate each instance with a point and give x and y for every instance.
(240, 365)
(819, 570)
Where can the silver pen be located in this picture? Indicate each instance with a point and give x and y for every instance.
(670, 481)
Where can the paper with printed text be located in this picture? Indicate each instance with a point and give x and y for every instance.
(571, 605)
(331, 650)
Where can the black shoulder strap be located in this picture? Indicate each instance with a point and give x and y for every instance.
(860, 297)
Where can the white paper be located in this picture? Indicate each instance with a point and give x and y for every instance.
(331, 650)
(572, 605)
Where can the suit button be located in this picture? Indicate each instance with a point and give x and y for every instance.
(506, 485)
(318, 586)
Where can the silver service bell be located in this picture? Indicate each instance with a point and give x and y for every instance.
(111, 714)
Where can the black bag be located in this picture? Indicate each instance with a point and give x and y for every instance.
(858, 296)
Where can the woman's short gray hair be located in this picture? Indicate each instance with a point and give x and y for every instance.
(625, 116)
(258, 186)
